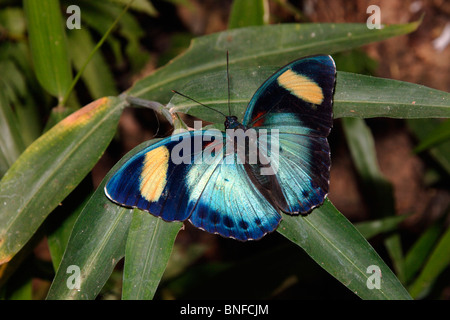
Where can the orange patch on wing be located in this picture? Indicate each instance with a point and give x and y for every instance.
(154, 174)
(301, 86)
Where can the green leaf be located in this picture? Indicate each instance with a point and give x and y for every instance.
(368, 97)
(49, 46)
(144, 6)
(11, 144)
(60, 223)
(96, 244)
(21, 89)
(16, 90)
(24, 292)
(393, 245)
(356, 96)
(372, 228)
(148, 249)
(378, 190)
(273, 45)
(335, 244)
(440, 134)
(439, 260)
(50, 168)
(422, 128)
(416, 256)
(19, 286)
(97, 75)
(101, 15)
(245, 13)
(13, 20)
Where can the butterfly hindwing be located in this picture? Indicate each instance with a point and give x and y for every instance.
(296, 102)
(188, 176)
(230, 204)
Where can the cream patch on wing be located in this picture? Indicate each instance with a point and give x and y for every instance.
(301, 86)
(154, 174)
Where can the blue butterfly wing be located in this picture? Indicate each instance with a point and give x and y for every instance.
(229, 203)
(297, 101)
(187, 176)
(150, 181)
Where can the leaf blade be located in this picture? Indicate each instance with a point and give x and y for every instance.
(149, 246)
(360, 96)
(102, 241)
(439, 259)
(50, 168)
(335, 244)
(49, 46)
(292, 41)
(246, 13)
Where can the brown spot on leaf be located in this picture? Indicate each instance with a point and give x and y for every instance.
(84, 114)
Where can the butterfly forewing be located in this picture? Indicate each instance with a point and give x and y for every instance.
(297, 102)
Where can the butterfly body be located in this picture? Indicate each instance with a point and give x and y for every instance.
(232, 122)
(236, 183)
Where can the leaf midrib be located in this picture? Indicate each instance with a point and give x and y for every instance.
(149, 256)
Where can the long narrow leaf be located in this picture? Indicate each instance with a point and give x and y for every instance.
(245, 13)
(335, 244)
(60, 223)
(419, 252)
(95, 246)
(50, 168)
(273, 45)
(436, 263)
(378, 190)
(148, 249)
(368, 97)
(356, 96)
(439, 135)
(48, 45)
(372, 228)
(11, 144)
(144, 6)
(422, 128)
(97, 76)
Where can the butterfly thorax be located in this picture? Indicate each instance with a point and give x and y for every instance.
(244, 142)
(232, 122)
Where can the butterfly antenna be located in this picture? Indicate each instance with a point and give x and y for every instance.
(202, 104)
(228, 80)
(158, 126)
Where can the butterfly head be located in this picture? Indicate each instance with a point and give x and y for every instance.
(231, 122)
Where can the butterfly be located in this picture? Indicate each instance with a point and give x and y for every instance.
(219, 184)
